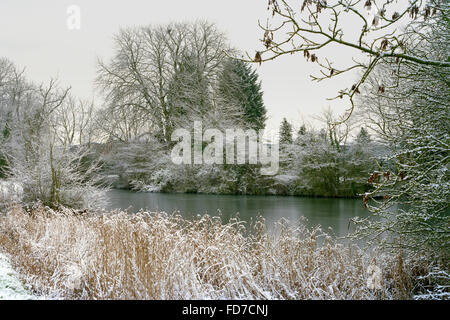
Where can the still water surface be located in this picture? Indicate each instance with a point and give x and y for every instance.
(327, 212)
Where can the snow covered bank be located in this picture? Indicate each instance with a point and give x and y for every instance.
(10, 286)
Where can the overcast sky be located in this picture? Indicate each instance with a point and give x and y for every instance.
(34, 34)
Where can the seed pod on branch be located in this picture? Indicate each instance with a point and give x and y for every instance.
(426, 13)
(318, 7)
(365, 200)
(258, 57)
(413, 12)
(305, 3)
(268, 37)
(375, 21)
(373, 178)
(306, 54)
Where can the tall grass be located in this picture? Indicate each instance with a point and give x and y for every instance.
(160, 256)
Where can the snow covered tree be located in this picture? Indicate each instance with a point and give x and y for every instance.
(285, 136)
(317, 25)
(302, 130)
(407, 104)
(318, 159)
(285, 143)
(39, 147)
(413, 38)
(363, 137)
(239, 84)
(325, 163)
(167, 75)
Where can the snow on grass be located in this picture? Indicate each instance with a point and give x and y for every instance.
(147, 255)
(10, 286)
(160, 256)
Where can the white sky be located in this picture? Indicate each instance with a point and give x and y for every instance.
(33, 34)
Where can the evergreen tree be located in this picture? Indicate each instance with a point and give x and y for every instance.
(285, 141)
(302, 130)
(239, 84)
(285, 132)
(302, 137)
(363, 137)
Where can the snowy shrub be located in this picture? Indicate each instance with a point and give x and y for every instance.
(10, 193)
(59, 177)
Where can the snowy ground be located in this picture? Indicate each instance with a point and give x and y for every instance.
(10, 286)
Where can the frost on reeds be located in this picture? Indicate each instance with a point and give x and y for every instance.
(160, 256)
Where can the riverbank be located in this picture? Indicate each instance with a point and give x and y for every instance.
(160, 256)
(268, 194)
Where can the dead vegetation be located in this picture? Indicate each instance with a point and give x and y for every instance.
(160, 256)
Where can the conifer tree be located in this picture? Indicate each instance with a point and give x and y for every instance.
(239, 83)
(285, 132)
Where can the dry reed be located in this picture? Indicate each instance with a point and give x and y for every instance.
(160, 256)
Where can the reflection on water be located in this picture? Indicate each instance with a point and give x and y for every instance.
(327, 212)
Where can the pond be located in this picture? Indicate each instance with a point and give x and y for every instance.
(327, 212)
